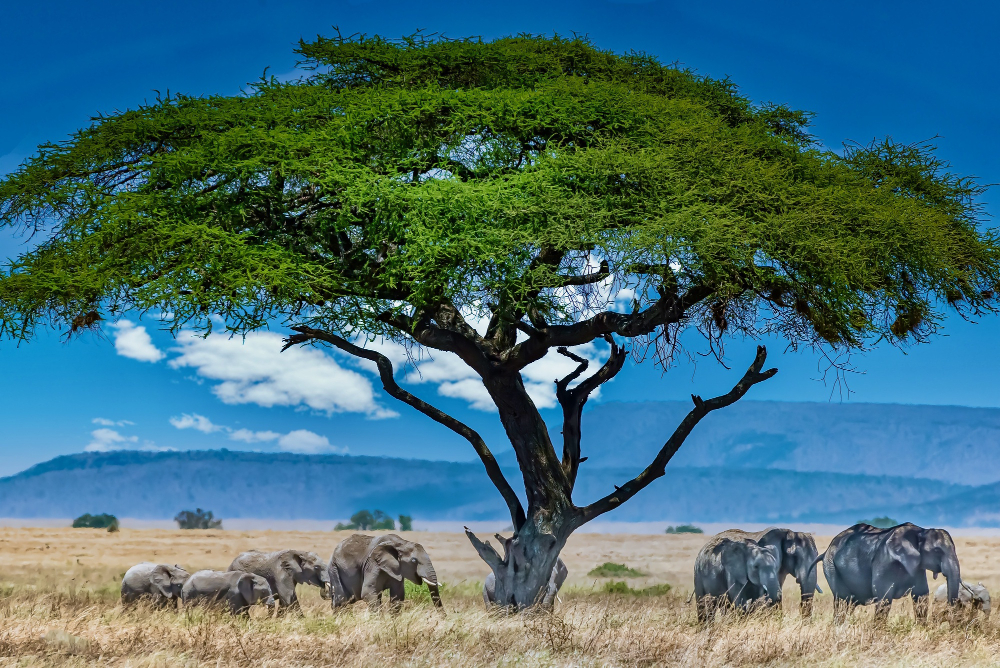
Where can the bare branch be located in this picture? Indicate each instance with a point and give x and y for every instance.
(668, 309)
(572, 401)
(393, 389)
(585, 279)
(486, 551)
(656, 469)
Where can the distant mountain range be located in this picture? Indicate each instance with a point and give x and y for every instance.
(753, 462)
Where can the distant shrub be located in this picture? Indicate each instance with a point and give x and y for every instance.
(405, 523)
(365, 520)
(102, 521)
(197, 519)
(622, 587)
(684, 528)
(609, 570)
(880, 522)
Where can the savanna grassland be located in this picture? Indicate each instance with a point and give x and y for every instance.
(59, 606)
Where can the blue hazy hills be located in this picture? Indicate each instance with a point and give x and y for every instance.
(753, 462)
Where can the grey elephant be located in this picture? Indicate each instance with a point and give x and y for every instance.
(798, 559)
(971, 599)
(283, 570)
(362, 567)
(556, 580)
(240, 590)
(738, 571)
(160, 583)
(865, 564)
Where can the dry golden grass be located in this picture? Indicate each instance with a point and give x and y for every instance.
(59, 606)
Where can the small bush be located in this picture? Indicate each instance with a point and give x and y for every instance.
(102, 521)
(365, 520)
(884, 522)
(609, 570)
(197, 519)
(621, 587)
(684, 528)
(405, 523)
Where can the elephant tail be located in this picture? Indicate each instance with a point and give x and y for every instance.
(688, 602)
(816, 561)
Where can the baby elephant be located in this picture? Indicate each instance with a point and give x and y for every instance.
(737, 570)
(285, 569)
(159, 582)
(971, 599)
(239, 590)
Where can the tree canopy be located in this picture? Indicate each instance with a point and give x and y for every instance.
(409, 188)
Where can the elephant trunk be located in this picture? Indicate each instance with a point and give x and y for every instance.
(428, 575)
(950, 568)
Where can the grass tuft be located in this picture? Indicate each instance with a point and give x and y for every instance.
(610, 570)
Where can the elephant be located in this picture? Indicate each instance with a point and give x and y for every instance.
(283, 570)
(559, 573)
(737, 569)
(160, 582)
(363, 566)
(865, 564)
(971, 599)
(240, 590)
(798, 559)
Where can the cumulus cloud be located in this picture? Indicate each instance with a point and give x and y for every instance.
(255, 371)
(195, 421)
(104, 439)
(134, 342)
(454, 378)
(306, 442)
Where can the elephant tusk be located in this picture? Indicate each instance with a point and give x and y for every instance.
(431, 584)
(819, 589)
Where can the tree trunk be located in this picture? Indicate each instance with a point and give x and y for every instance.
(522, 572)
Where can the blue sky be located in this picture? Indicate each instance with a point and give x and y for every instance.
(912, 70)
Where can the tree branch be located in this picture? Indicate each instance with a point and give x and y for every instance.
(572, 401)
(701, 408)
(486, 551)
(393, 389)
(669, 308)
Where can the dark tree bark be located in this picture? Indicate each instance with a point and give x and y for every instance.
(540, 531)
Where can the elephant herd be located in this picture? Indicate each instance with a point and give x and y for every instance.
(361, 568)
(863, 565)
(736, 570)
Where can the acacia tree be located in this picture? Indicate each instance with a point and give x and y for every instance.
(404, 189)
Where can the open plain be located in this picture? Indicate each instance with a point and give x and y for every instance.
(59, 606)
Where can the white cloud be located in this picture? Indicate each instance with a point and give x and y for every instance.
(195, 421)
(248, 436)
(307, 442)
(133, 341)
(103, 440)
(255, 371)
(112, 423)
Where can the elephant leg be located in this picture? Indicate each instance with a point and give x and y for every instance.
(806, 605)
(397, 593)
(841, 609)
(921, 604)
(707, 607)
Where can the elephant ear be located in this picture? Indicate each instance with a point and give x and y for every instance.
(904, 552)
(386, 558)
(160, 579)
(292, 564)
(245, 587)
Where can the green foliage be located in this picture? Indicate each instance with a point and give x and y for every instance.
(402, 175)
(683, 528)
(197, 519)
(621, 587)
(609, 570)
(365, 520)
(102, 521)
(405, 523)
(420, 593)
(884, 522)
